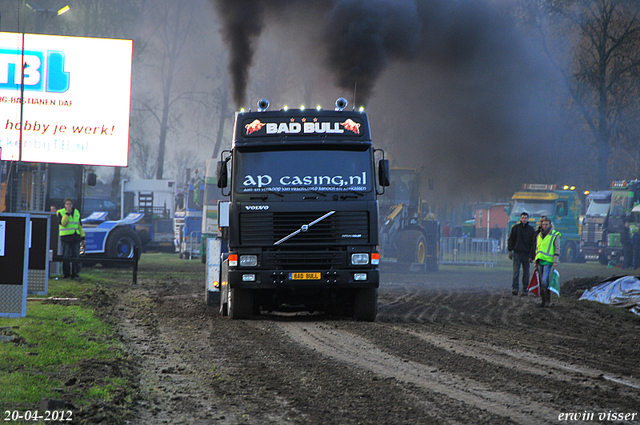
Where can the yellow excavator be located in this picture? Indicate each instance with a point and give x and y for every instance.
(409, 232)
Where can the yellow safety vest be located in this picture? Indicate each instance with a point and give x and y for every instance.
(544, 246)
(73, 226)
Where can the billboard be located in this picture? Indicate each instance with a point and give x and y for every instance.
(68, 103)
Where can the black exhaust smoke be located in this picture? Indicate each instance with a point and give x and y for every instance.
(359, 37)
(242, 22)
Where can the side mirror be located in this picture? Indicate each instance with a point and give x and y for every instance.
(92, 179)
(221, 174)
(384, 173)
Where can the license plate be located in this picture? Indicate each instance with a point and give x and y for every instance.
(304, 276)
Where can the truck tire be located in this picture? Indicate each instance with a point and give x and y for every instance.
(603, 259)
(433, 253)
(240, 303)
(120, 244)
(365, 306)
(414, 247)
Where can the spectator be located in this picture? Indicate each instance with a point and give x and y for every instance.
(71, 235)
(446, 230)
(627, 246)
(636, 248)
(547, 255)
(520, 249)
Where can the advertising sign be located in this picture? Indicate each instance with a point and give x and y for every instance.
(14, 264)
(70, 96)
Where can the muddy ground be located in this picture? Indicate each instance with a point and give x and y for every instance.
(447, 348)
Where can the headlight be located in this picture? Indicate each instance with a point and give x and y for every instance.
(359, 259)
(248, 260)
(359, 276)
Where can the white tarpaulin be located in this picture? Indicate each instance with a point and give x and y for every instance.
(618, 291)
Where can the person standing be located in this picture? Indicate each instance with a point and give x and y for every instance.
(520, 245)
(627, 246)
(635, 241)
(446, 230)
(71, 235)
(547, 256)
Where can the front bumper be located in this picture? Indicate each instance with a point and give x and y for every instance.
(284, 279)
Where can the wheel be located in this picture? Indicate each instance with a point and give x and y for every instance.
(240, 303)
(603, 259)
(433, 253)
(569, 252)
(413, 247)
(121, 242)
(365, 306)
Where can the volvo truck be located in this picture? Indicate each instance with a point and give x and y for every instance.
(302, 187)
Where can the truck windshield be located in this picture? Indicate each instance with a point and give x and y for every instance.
(303, 171)
(598, 209)
(533, 207)
(621, 202)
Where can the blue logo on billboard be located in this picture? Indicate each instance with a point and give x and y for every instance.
(43, 71)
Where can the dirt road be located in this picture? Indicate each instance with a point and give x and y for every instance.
(445, 349)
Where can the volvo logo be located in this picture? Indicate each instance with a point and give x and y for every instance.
(256, 207)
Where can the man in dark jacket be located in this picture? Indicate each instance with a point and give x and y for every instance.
(520, 245)
(627, 246)
(635, 240)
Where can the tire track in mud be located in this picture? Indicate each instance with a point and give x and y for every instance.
(523, 361)
(351, 349)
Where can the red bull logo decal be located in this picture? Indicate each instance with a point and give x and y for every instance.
(352, 126)
(254, 126)
(305, 127)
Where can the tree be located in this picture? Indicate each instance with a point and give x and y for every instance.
(172, 23)
(602, 74)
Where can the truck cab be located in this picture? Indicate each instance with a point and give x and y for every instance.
(560, 204)
(302, 213)
(625, 195)
(595, 224)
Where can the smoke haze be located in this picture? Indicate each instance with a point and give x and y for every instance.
(451, 86)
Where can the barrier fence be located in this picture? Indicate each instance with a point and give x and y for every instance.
(469, 251)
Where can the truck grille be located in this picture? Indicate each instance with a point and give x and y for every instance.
(305, 260)
(266, 228)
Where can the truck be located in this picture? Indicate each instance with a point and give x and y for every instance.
(106, 241)
(625, 195)
(302, 213)
(409, 233)
(212, 195)
(561, 204)
(187, 222)
(593, 239)
(155, 199)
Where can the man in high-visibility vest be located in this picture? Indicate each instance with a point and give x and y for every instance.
(71, 235)
(547, 255)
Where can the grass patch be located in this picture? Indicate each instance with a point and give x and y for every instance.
(64, 351)
(69, 351)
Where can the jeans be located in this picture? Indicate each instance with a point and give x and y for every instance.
(520, 259)
(544, 271)
(71, 249)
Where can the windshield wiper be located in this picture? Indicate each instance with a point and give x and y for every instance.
(304, 227)
(359, 194)
(317, 192)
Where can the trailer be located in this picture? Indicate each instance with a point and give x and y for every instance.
(155, 199)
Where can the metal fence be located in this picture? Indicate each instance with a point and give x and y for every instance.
(469, 251)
